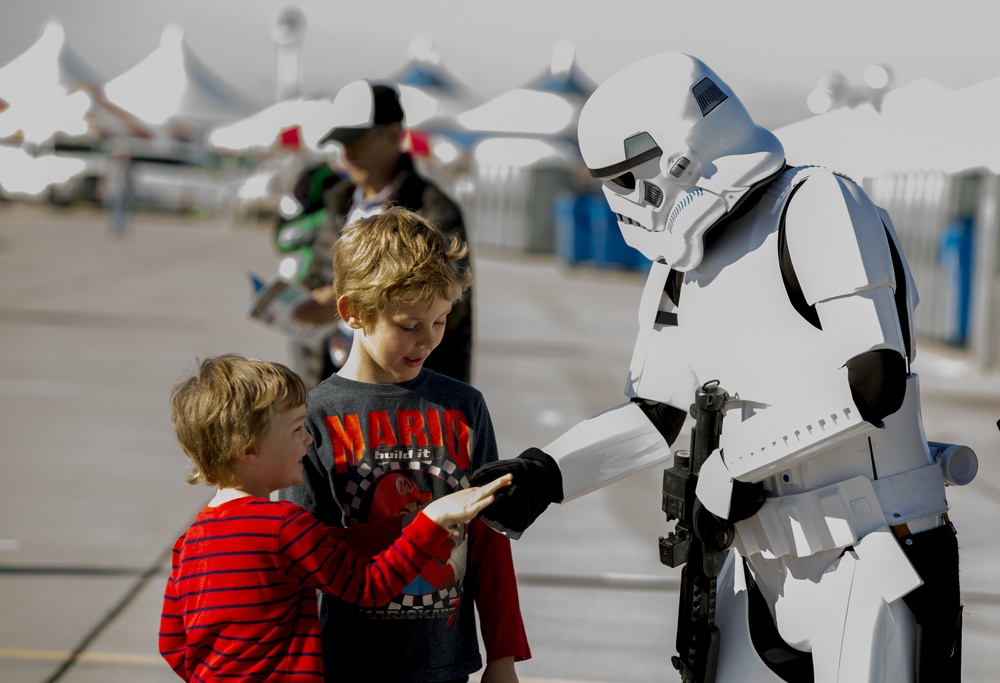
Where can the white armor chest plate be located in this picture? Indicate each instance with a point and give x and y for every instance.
(734, 322)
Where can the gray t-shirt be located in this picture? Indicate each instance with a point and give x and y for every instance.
(381, 450)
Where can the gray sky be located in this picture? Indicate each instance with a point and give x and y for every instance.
(770, 51)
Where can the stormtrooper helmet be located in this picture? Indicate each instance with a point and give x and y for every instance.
(676, 151)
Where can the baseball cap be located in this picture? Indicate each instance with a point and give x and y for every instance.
(359, 107)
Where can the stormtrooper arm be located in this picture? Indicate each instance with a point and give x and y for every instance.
(844, 262)
(594, 453)
(866, 305)
(614, 444)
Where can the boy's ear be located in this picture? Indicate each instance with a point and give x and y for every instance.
(247, 455)
(348, 314)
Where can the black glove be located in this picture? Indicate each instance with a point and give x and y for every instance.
(537, 482)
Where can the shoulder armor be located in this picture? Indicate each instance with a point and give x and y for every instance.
(836, 240)
(906, 294)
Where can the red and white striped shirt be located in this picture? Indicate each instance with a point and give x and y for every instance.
(241, 599)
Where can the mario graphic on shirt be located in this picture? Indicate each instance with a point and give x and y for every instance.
(397, 494)
(392, 463)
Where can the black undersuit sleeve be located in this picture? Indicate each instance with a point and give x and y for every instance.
(878, 383)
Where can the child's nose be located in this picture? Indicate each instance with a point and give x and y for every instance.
(429, 339)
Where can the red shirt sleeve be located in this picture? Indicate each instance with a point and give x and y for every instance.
(173, 638)
(318, 558)
(370, 538)
(496, 595)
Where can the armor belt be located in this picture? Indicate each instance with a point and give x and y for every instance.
(840, 514)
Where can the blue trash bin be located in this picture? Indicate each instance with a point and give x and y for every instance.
(573, 227)
(607, 243)
(955, 259)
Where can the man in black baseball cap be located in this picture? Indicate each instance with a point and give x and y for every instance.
(367, 120)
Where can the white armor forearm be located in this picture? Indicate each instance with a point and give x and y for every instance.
(605, 448)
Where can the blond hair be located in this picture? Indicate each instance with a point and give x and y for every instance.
(397, 258)
(227, 407)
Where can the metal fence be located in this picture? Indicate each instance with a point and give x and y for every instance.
(956, 271)
(512, 205)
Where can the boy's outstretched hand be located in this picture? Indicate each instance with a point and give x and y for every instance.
(461, 507)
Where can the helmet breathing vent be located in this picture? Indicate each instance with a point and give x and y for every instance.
(653, 195)
(680, 206)
(708, 94)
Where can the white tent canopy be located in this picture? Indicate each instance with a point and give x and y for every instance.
(522, 111)
(842, 139)
(917, 122)
(173, 87)
(921, 126)
(261, 132)
(48, 66)
(49, 89)
(549, 106)
(427, 90)
(970, 138)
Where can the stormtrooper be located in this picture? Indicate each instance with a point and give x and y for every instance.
(787, 287)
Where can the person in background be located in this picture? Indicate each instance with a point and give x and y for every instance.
(390, 434)
(118, 188)
(368, 124)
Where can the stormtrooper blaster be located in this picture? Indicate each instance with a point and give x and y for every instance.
(698, 542)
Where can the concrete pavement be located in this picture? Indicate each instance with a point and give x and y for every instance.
(94, 332)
